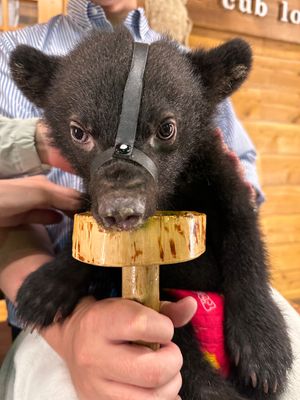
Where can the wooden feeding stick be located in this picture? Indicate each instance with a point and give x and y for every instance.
(165, 238)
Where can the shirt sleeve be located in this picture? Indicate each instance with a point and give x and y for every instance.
(18, 155)
(238, 140)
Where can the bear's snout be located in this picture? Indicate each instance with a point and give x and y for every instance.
(123, 195)
(120, 211)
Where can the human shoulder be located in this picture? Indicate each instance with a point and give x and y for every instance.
(35, 35)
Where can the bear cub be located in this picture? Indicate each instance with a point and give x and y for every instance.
(82, 95)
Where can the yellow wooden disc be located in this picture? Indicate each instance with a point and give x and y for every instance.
(165, 238)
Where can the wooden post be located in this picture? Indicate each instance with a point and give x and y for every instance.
(5, 17)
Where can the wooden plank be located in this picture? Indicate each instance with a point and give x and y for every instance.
(280, 96)
(287, 281)
(263, 101)
(280, 229)
(270, 137)
(204, 37)
(283, 65)
(211, 14)
(4, 10)
(264, 76)
(257, 105)
(281, 200)
(280, 170)
(285, 256)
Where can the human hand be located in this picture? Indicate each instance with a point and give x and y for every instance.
(49, 154)
(95, 343)
(30, 201)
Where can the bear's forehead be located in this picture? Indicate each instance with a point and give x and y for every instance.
(108, 61)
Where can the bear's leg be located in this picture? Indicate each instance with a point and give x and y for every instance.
(255, 331)
(52, 291)
(200, 380)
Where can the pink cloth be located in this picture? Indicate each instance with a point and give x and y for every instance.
(208, 323)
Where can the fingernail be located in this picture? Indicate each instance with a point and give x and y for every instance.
(253, 379)
(237, 358)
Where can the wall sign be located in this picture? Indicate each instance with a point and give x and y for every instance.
(272, 19)
(260, 9)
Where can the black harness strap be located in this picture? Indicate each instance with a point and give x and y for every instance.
(125, 139)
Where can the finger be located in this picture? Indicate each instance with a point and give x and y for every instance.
(180, 312)
(62, 198)
(120, 391)
(44, 217)
(126, 320)
(138, 365)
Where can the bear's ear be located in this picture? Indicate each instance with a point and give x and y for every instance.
(223, 69)
(33, 71)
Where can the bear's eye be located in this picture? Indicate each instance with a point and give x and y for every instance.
(167, 130)
(78, 134)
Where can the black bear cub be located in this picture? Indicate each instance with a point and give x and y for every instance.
(180, 164)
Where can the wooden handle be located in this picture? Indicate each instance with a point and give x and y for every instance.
(141, 284)
(165, 238)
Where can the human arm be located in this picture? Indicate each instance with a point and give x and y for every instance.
(93, 342)
(33, 200)
(25, 148)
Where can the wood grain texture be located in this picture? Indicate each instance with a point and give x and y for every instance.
(274, 138)
(211, 14)
(279, 229)
(165, 238)
(281, 200)
(280, 170)
(3, 311)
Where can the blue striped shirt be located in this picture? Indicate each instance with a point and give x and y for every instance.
(60, 35)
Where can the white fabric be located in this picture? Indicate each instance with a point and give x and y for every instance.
(33, 371)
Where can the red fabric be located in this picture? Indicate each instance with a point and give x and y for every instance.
(208, 323)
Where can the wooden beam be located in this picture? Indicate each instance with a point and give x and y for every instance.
(281, 229)
(274, 138)
(277, 170)
(211, 14)
(5, 21)
(3, 311)
(281, 200)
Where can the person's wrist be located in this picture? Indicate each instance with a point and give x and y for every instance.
(42, 142)
(60, 335)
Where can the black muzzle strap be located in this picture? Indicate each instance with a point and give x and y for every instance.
(124, 144)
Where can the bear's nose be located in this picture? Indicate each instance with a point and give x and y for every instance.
(121, 214)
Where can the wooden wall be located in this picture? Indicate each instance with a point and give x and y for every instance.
(269, 107)
(30, 12)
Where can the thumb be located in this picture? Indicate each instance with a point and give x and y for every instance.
(180, 312)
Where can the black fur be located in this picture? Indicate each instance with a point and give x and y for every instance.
(195, 173)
